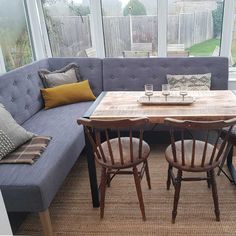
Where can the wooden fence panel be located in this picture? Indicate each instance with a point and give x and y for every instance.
(72, 35)
(117, 35)
(69, 34)
(173, 29)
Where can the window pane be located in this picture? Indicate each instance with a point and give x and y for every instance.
(68, 25)
(130, 27)
(15, 47)
(194, 27)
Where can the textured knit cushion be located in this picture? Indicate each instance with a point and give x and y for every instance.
(68, 74)
(12, 135)
(193, 82)
(67, 94)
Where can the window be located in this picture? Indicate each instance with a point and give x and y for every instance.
(130, 28)
(15, 46)
(68, 26)
(194, 27)
(233, 45)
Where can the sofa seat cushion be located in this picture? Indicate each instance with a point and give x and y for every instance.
(34, 186)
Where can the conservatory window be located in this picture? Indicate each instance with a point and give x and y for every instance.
(130, 28)
(194, 27)
(15, 44)
(68, 26)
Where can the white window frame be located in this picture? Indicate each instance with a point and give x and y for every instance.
(43, 29)
(227, 28)
(162, 21)
(97, 34)
(38, 38)
(227, 33)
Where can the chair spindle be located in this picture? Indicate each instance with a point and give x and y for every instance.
(173, 144)
(140, 143)
(182, 147)
(131, 145)
(109, 147)
(89, 134)
(193, 153)
(205, 149)
(120, 147)
(215, 148)
(98, 141)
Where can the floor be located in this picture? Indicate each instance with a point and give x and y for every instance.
(72, 212)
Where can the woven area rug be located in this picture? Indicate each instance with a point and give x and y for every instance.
(72, 212)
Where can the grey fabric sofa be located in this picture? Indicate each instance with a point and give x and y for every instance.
(31, 188)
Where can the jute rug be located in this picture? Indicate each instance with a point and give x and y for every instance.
(72, 212)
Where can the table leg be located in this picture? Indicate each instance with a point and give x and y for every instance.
(231, 166)
(92, 173)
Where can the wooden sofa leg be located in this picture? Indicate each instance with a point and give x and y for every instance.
(46, 223)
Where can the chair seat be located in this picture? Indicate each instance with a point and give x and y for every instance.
(126, 152)
(199, 147)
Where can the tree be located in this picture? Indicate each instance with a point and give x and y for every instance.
(134, 7)
(79, 10)
(217, 15)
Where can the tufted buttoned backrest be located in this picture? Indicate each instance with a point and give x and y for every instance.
(20, 91)
(133, 73)
(90, 69)
(20, 88)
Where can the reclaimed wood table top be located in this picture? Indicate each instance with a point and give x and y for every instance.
(208, 105)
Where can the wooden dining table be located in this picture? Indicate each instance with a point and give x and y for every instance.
(207, 106)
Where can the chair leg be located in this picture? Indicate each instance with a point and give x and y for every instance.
(208, 179)
(108, 179)
(46, 223)
(147, 175)
(139, 191)
(102, 191)
(215, 195)
(227, 151)
(177, 185)
(168, 182)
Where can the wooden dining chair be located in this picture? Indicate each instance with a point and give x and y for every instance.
(229, 155)
(195, 155)
(118, 154)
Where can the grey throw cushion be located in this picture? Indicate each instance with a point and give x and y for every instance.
(12, 135)
(66, 75)
(192, 82)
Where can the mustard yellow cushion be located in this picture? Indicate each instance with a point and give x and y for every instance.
(67, 94)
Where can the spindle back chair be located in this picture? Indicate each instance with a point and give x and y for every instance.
(196, 155)
(116, 153)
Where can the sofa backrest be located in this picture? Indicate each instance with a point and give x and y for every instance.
(20, 91)
(133, 73)
(90, 69)
(20, 88)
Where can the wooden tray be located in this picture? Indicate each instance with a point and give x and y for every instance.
(161, 100)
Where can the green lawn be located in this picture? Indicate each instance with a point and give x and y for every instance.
(233, 52)
(205, 48)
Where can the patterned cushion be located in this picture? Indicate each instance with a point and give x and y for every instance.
(193, 82)
(66, 75)
(12, 135)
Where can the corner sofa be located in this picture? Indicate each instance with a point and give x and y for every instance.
(31, 188)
